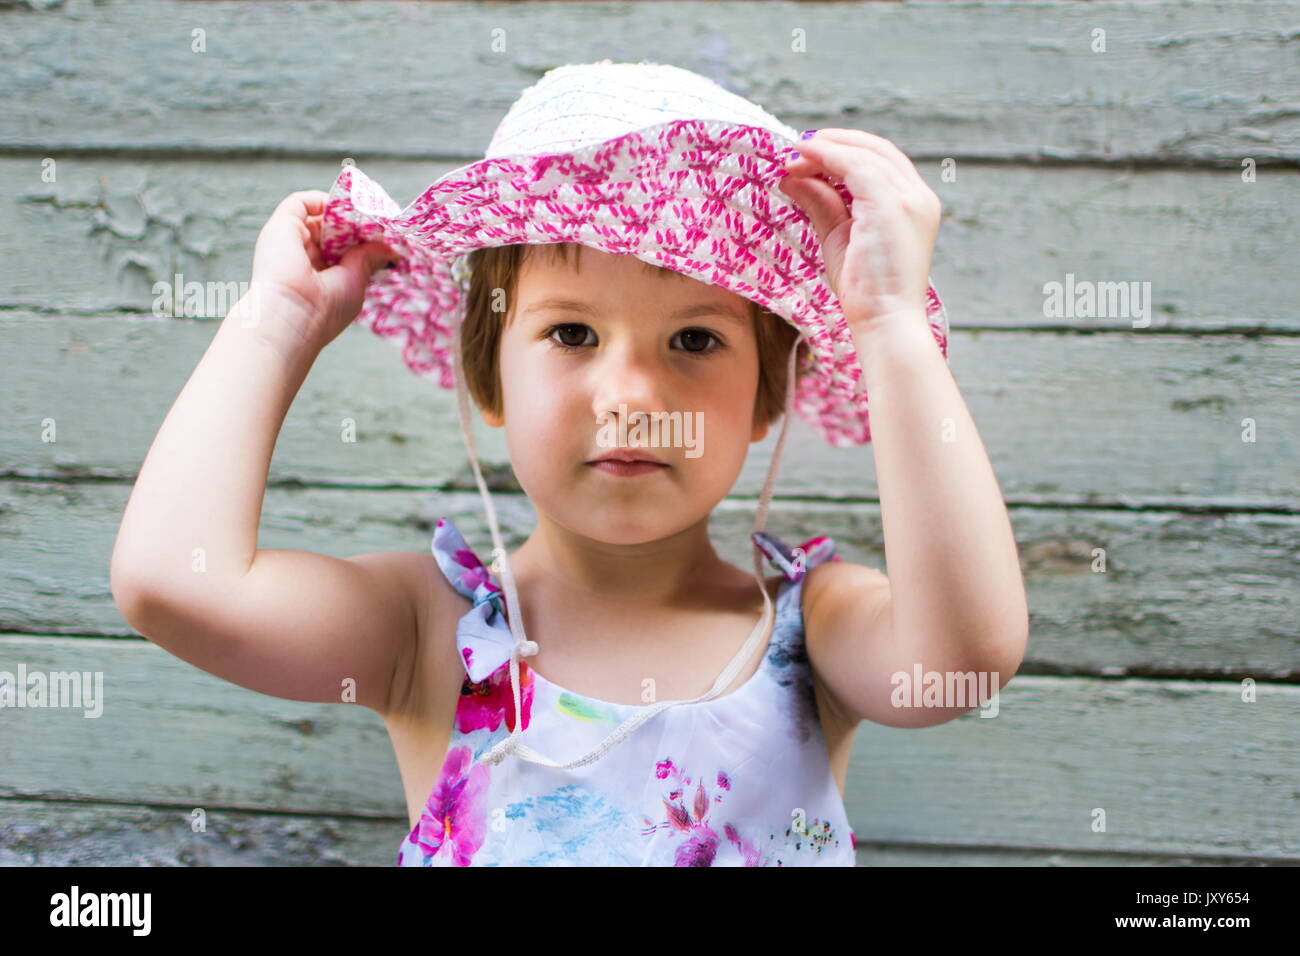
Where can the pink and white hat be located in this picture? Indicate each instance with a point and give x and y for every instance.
(635, 159)
(629, 158)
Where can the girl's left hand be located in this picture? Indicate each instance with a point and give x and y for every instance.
(877, 252)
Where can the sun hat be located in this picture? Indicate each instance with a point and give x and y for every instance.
(642, 159)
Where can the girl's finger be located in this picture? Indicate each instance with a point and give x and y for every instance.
(820, 202)
(861, 170)
(877, 144)
(304, 203)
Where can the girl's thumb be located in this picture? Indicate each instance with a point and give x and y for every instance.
(346, 281)
(377, 255)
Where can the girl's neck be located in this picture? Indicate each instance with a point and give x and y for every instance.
(656, 574)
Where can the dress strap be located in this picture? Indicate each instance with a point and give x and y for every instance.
(483, 637)
(461, 566)
(794, 563)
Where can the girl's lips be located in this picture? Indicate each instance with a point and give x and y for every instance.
(626, 469)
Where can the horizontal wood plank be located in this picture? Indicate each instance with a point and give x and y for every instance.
(1113, 420)
(902, 854)
(1200, 81)
(1179, 767)
(60, 833)
(1008, 231)
(1178, 594)
(1176, 766)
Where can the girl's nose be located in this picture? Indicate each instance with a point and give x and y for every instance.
(627, 381)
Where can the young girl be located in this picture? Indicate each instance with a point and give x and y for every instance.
(638, 244)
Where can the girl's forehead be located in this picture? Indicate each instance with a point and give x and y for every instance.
(602, 280)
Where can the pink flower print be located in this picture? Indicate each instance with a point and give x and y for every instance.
(475, 573)
(452, 824)
(701, 845)
(489, 701)
(748, 852)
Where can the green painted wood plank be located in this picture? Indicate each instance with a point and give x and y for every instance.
(1180, 767)
(61, 833)
(1134, 419)
(1201, 81)
(1177, 767)
(1181, 594)
(1007, 231)
(57, 833)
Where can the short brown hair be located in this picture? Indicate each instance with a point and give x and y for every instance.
(499, 267)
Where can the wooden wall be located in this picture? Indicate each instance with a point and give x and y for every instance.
(1117, 165)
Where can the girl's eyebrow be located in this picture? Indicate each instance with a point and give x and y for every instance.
(560, 304)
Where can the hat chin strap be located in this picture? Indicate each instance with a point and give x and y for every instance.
(526, 648)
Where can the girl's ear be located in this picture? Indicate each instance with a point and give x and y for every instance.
(492, 419)
(759, 432)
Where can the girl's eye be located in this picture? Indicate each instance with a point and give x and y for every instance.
(562, 329)
(703, 336)
(577, 330)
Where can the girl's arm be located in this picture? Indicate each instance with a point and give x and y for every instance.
(954, 603)
(186, 570)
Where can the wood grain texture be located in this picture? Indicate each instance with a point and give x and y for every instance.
(1178, 82)
(60, 833)
(110, 226)
(1180, 767)
(1180, 594)
(65, 833)
(1050, 159)
(1115, 420)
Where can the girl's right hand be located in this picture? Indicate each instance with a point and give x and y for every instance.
(296, 301)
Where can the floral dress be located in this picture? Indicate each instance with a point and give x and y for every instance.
(737, 780)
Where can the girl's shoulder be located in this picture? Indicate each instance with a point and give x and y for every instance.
(429, 669)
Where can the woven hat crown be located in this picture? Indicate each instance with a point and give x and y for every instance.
(585, 104)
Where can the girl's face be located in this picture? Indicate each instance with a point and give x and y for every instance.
(637, 343)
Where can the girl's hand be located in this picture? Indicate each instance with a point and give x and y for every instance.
(877, 253)
(296, 301)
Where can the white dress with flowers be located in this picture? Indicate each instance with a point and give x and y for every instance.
(737, 780)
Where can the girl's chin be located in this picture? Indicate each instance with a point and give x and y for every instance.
(637, 518)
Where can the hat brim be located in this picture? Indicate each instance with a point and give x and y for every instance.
(695, 196)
